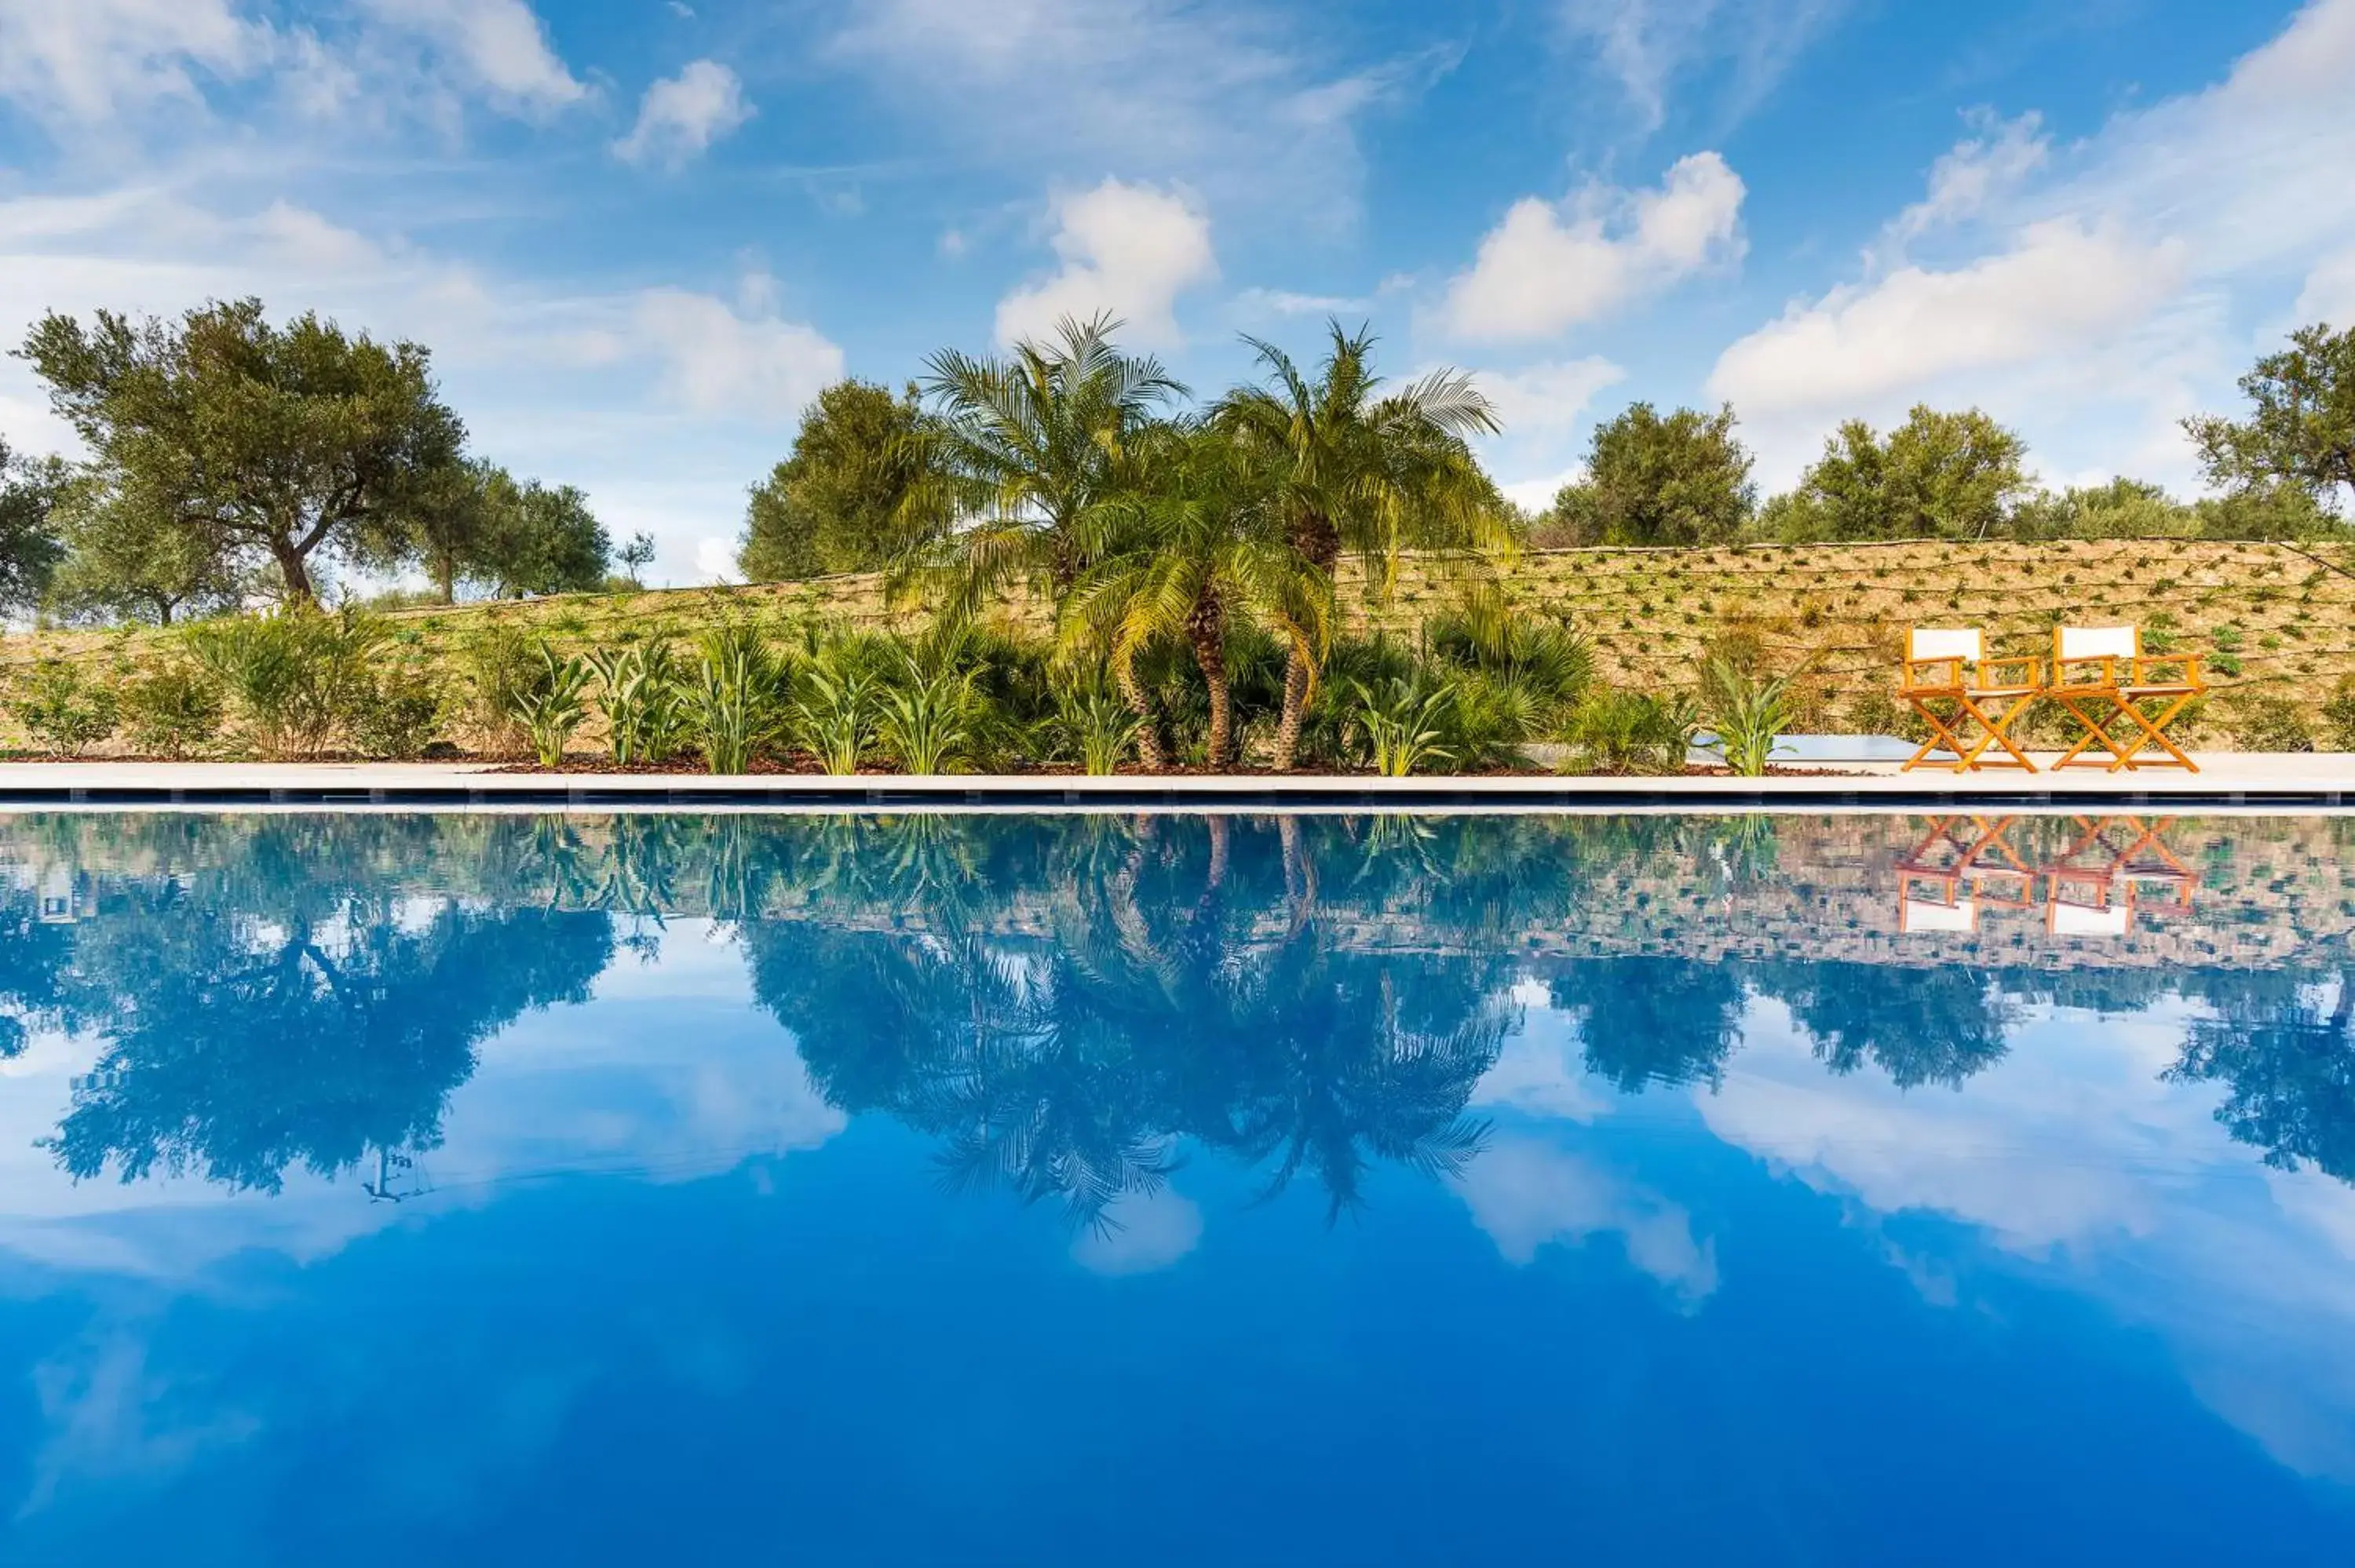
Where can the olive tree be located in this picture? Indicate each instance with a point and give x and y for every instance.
(271, 446)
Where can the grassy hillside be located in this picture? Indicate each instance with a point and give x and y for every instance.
(2275, 618)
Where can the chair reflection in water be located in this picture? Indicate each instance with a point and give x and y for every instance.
(2111, 868)
(2115, 867)
(1959, 853)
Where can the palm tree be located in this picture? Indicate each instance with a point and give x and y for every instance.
(1196, 551)
(1366, 472)
(1021, 449)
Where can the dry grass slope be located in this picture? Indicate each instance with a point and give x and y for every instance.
(2272, 618)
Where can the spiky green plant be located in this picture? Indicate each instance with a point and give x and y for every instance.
(930, 718)
(1097, 724)
(643, 693)
(1406, 722)
(732, 700)
(1746, 714)
(556, 707)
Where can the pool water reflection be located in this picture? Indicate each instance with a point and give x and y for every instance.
(1012, 1188)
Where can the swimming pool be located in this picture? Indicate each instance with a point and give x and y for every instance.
(1177, 1189)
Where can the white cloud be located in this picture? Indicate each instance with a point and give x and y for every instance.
(715, 559)
(1129, 249)
(683, 114)
(85, 62)
(2329, 293)
(1650, 46)
(500, 45)
(1547, 400)
(718, 359)
(2063, 284)
(1526, 1195)
(1548, 268)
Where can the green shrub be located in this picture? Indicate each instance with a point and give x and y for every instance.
(1619, 732)
(1405, 722)
(2265, 721)
(836, 715)
(172, 712)
(398, 716)
(930, 717)
(1092, 721)
(499, 668)
(734, 698)
(297, 676)
(63, 710)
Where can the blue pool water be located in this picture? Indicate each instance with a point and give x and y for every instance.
(684, 1189)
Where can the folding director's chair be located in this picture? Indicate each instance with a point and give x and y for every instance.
(2101, 675)
(1949, 666)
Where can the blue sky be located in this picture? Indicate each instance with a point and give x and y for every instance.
(639, 234)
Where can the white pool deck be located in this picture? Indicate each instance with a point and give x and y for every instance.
(2306, 781)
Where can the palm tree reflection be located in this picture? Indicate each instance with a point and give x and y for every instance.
(1068, 1003)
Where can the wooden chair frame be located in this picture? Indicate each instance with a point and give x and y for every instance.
(2116, 685)
(1974, 683)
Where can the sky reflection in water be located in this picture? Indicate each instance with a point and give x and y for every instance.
(1006, 1189)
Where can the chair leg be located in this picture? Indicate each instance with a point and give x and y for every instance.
(2094, 736)
(2154, 734)
(1940, 735)
(1999, 734)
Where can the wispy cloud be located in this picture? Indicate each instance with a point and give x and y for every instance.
(1225, 96)
(1651, 47)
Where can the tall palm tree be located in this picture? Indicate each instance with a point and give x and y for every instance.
(1021, 449)
(1195, 552)
(1366, 471)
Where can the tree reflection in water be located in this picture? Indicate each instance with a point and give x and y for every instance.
(1067, 1003)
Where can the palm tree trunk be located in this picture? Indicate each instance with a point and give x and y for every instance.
(1319, 542)
(1206, 631)
(1296, 712)
(1148, 734)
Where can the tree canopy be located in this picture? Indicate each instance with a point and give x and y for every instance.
(29, 546)
(271, 444)
(838, 504)
(2301, 426)
(1937, 475)
(1682, 480)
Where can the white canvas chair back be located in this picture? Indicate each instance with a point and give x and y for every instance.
(2095, 642)
(1967, 644)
